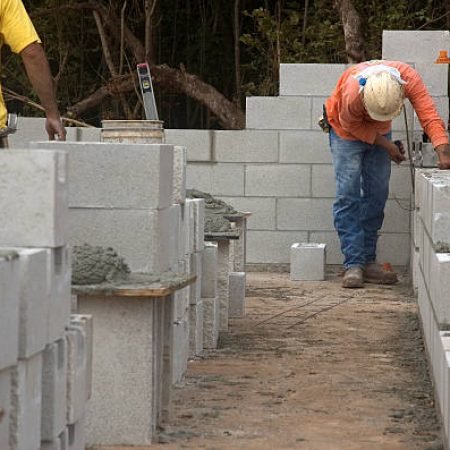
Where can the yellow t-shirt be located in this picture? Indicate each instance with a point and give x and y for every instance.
(16, 31)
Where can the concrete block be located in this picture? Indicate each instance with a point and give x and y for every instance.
(211, 312)
(420, 48)
(278, 113)
(88, 134)
(28, 129)
(5, 406)
(323, 181)
(188, 223)
(441, 228)
(86, 323)
(237, 294)
(216, 179)
(195, 289)
(76, 373)
(110, 175)
(54, 405)
(291, 214)
(123, 338)
(439, 286)
(9, 317)
(305, 147)
(309, 79)
(276, 245)
(196, 329)
(396, 217)
(286, 180)
(394, 248)
(400, 183)
(76, 437)
(308, 261)
(223, 282)
(246, 146)
(34, 197)
(143, 238)
(34, 301)
(262, 211)
(26, 404)
(197, 142)
(59, 273)
(210, 257)
(179, 175)
(180, 349)
(238, 247)
(198, 205)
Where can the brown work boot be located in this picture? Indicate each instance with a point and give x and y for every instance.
(353, 278)
(375, 273)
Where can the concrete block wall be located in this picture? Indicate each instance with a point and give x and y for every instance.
(35, 275)
(430, 254)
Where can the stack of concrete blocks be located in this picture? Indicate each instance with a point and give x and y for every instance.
(431, 277)
(308, 261)
(280, 169)
(209, 295)
(35, 290)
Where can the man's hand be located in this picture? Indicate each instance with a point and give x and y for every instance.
(396, 152)
(443, 152)
(55, 129)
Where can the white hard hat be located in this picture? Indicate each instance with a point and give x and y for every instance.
(383, 96)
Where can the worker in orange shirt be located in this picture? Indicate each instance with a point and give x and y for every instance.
(359, 113)
(17, 31)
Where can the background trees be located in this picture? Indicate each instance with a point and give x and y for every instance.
(206, 55)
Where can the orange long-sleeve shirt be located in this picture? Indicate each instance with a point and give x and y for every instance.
(349, 118)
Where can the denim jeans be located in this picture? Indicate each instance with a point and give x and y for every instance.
(362, 173)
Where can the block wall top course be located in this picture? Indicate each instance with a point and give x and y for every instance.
(309, 79)
(199, 143)
(279, 113)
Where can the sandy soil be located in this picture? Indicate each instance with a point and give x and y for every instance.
(311, 366)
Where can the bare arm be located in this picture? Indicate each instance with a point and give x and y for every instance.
(38, 71)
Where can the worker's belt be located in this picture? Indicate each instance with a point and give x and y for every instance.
(323, 121)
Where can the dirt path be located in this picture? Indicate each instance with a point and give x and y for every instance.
(312, 366)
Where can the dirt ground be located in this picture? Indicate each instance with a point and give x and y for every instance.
(311, 366)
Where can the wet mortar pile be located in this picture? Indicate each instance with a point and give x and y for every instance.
(311, 366)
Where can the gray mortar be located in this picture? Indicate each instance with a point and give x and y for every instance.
(95, 265)
(442, 247)
(215, 210)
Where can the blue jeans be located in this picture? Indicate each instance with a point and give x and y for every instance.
(362, 173)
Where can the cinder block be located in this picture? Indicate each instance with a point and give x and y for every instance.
(279, 113)
(179, 175)
(210, 257)
(86, 322)
(54, 404)
(262, 211)
(396, 217)
(441, 228)
(305, 147)
(26, 404)
(76, 373)
(211, 312)
(180, 349)
(420, 48)
(246, 146)
(196, 268)
(59, 283)
(88, 134)
(309, 79)
(276, 245)
(216, 179)
(223, 284)
(198, 204)
(143, 238)
(9, 317)
(28, 129)
(187, 226)
(439, 286)
(400, 183)
(196, 328)
(76, 437)
(109, 175)
(34, 298)
(308, 261)
(286, 180)
(34, 198)
(5, 405)
(323, 181)
(291, 214)
(394, 248)
(237, 294)
(197, 142)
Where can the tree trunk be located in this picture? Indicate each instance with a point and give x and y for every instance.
(351, 22)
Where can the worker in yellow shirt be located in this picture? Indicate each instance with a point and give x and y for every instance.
(17, 31)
